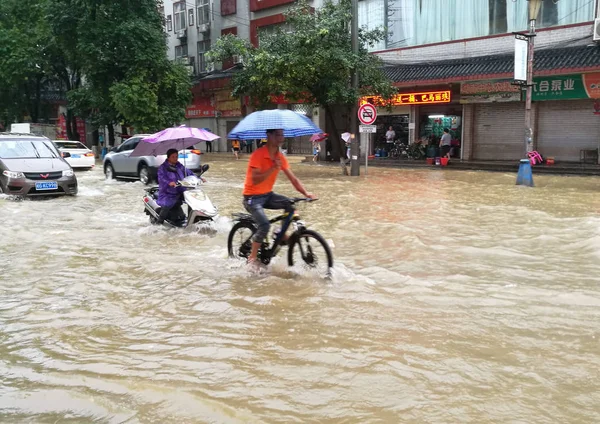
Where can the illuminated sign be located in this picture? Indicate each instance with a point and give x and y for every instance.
(430, 97)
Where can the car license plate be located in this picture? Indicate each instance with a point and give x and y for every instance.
(76, 156)
(50, 185)
(183, 156)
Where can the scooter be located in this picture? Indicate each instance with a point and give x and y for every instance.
(199, 206)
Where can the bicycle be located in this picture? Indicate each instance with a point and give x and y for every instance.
(239, 242)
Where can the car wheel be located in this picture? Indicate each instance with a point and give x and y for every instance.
(109, 171)
(144, 175)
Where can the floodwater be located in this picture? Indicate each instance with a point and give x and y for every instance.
(456, 297)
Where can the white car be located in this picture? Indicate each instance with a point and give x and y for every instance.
(118, 163)
(81, 156)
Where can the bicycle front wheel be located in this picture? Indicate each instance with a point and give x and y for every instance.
(239, 242)
(310, 249)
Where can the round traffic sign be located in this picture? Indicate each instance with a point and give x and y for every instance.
(367, 114)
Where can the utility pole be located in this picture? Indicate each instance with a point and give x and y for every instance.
(525, 175)
(354, 146)
(534, 10)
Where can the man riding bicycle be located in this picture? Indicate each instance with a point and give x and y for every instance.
(261, 175)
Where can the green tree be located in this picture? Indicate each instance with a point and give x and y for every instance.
(314, 61)
(128, 76)
(24, 59)
(149, 102)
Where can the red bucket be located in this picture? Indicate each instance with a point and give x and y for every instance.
(430, 161)
(444, 161)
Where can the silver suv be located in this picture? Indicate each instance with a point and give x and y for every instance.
(32, 166)
(118, 163)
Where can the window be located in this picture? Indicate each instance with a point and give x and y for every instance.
(191, 17)
(179, 14)
(269, 30)
(129, 144)
(169, 23)
(181, 51)
(417, 22)
(228, 7)
(203, 47)
(203, 12)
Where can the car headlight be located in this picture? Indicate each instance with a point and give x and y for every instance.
(11, 174)
(68, 173)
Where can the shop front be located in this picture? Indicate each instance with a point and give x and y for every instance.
(568, 126)
(565, 125)
(412, 121)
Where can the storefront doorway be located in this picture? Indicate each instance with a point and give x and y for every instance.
(398, 123)
(432, 122)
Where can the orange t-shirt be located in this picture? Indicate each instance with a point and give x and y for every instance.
(235, 144)
(261, 160)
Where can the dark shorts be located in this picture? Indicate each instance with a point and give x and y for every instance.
(256, 206)
(445, 150)
(236, 149)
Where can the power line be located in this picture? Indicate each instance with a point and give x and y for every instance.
(575, 11)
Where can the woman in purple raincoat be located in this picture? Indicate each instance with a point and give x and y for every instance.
(169, 195)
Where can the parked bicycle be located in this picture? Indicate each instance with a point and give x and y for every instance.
(304, 246)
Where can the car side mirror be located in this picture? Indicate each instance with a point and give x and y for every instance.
(66, 155)
(114, 149)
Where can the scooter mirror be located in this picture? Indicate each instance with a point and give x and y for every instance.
(204, 168)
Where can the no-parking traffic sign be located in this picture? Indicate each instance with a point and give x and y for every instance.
(367, 114)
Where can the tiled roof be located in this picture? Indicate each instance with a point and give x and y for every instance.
(548, 61)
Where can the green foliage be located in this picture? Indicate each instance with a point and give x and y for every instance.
(153, 103)
(108, 55)
(313, 61)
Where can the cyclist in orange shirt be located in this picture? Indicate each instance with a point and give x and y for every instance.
(261, 175)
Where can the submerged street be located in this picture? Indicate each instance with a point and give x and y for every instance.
(456, 297)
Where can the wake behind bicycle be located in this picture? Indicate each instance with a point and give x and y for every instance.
(305, 247)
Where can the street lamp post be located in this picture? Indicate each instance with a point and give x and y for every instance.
(525, 177)
(534, 10)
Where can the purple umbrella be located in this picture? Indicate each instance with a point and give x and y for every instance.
(171, 138)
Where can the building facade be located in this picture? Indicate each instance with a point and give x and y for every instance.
(453, 63)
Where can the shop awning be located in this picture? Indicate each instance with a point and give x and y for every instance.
(547, 62)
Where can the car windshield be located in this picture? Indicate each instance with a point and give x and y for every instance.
(14, 149)
(70, 145)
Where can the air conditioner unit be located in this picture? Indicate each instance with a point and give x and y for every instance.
(238, 59)
(210, 67)
(181, 34)
(204, 27)
(597, 29)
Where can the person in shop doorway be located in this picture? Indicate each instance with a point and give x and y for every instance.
(446, 143)
(249, 146)
(390, 135)
(209, 146)
(235, 146)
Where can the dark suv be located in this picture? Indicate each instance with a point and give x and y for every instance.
(33, 166)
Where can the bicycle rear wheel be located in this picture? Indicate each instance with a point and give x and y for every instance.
(310, 249)
(239, 242)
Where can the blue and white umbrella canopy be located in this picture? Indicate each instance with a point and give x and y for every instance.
(255, 125)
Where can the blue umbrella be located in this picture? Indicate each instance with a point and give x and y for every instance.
(255, 125)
